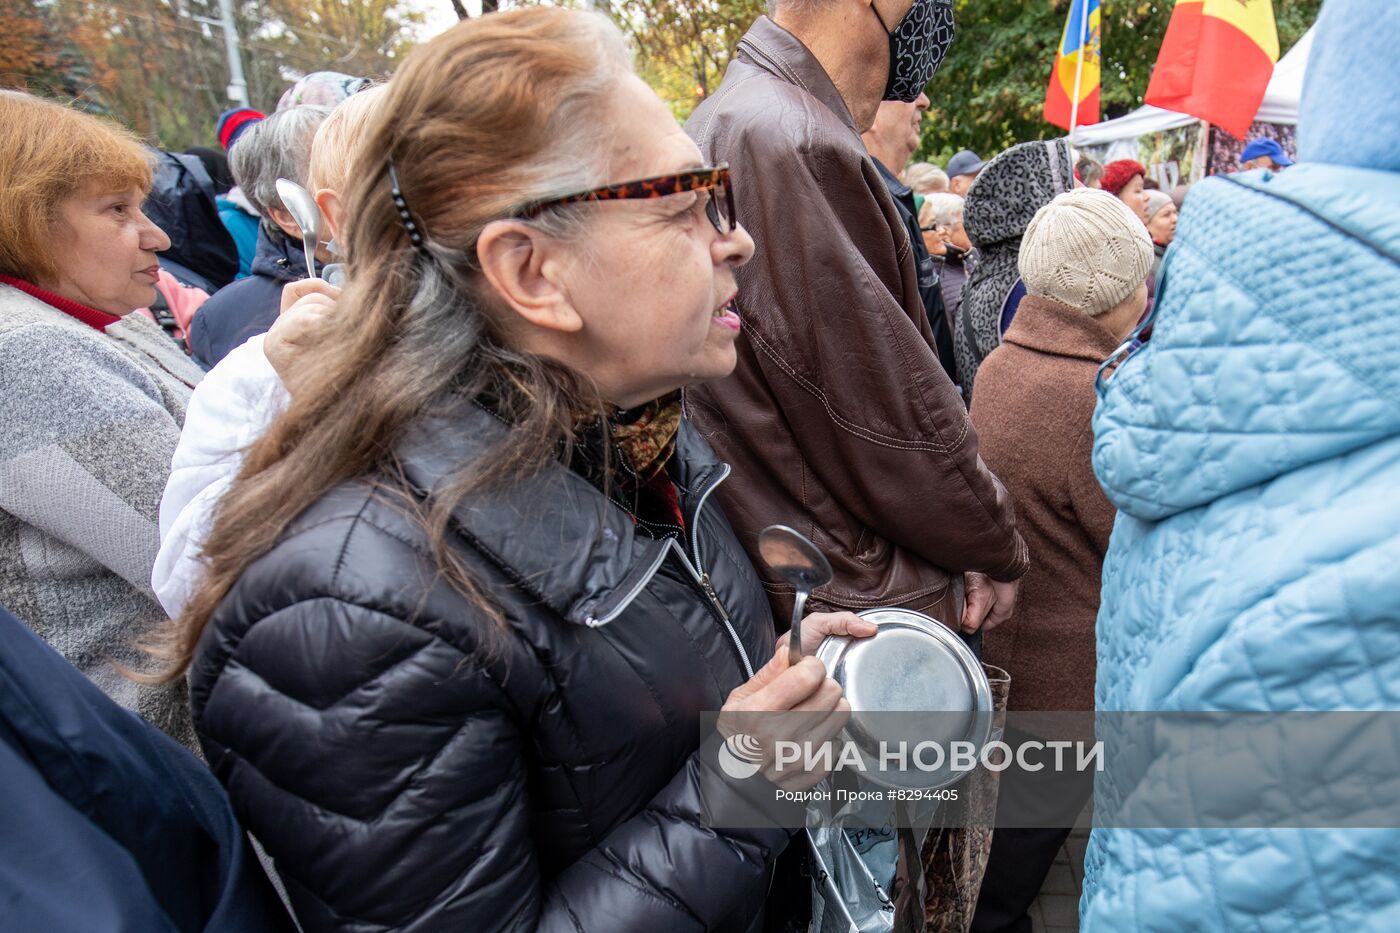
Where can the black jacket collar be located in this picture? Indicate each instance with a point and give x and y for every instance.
(554, 534)
(897, 188)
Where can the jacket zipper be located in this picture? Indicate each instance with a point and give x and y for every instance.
(701, 578)
(702, 582)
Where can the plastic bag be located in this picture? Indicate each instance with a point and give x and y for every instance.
(868, 878)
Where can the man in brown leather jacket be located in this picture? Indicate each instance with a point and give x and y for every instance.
(839, 420)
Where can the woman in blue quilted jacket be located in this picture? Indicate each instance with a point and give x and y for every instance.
(1252, 448)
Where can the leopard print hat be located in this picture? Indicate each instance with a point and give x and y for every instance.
(999, 207)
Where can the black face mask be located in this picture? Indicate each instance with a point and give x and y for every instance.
(917, 46)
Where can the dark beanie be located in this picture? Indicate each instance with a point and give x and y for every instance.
(216, 164)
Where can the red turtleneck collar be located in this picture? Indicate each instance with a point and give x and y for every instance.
(97, 320)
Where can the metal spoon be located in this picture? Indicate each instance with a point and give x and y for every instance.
(799, 562)
(302, 206)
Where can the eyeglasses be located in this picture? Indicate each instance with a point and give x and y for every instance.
(719, 209)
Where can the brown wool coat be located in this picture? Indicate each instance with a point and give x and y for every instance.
(1032, 407)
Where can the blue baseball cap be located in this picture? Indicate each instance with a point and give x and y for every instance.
(965, 162)
(1265, 147)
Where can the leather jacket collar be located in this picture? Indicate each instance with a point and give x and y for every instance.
(772, 48)
(553, 533)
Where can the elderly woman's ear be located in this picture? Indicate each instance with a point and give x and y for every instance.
(278, 147)
(284, 221)
(527, 270)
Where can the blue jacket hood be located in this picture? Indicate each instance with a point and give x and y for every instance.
(1260, 362)
(1351, 100)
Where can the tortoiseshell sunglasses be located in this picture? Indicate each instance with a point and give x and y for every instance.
(720, 207)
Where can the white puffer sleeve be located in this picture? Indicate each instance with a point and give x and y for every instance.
(230, 409)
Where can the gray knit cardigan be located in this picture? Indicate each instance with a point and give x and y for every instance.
(88, 423)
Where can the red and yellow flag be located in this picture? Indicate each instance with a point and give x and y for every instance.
(1076, 69)
(1216, 61)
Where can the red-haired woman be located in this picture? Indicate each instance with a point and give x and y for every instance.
(1123, 179)
(468, 598)
(94, 394)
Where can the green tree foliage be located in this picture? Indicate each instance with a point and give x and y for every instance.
(683, 46)
(359, 37)
(37, 55)
(161, 68)
(990, 90)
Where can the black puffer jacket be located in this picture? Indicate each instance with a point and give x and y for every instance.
(402, 783)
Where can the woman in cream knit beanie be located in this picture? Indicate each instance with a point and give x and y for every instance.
(1084, 260)
(1086, 249)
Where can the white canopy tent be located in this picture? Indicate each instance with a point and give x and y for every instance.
(1280, 105)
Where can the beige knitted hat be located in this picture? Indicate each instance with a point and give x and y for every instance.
(1086, 249)
(1156, 200)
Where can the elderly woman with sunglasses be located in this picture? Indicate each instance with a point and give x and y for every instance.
(469, 596)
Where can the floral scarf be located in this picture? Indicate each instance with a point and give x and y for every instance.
(643, 440)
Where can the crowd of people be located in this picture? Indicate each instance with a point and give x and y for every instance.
(434, 574)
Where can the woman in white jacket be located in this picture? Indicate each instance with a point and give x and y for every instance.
(246, 391)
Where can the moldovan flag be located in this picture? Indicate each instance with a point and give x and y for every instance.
(1216, 61)
(1080, 42)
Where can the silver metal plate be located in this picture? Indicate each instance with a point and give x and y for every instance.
(913, 665)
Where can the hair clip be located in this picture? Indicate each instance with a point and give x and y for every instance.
(415, 235)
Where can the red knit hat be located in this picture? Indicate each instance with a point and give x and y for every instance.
(1117, 174)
